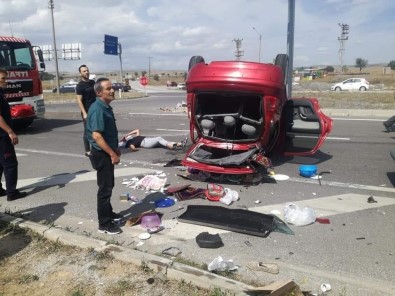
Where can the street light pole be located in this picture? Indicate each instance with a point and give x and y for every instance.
(120, 60)
(260, 43)
(149, 67)
(51, 6)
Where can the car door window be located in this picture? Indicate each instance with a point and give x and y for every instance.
(302, 127)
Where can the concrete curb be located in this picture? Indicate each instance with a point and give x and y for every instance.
(167, 267)
(362, 113)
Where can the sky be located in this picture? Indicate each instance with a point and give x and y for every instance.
(165, 34)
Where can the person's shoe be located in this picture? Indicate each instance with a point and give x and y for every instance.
(16, 196)
(87, 153)
(116, 217)
(3, 192)
(184, 142)
(110, 228)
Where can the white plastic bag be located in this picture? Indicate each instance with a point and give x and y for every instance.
(219, 264)
(293, 214)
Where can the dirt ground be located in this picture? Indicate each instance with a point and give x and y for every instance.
(32, 265)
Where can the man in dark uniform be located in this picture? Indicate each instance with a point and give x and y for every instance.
(85, 97)
(103, 137)
(8, 161)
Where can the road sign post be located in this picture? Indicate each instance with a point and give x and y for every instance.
(110, 45)
(144, 82)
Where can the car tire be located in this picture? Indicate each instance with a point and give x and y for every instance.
(195, 60)
(337, 88)
(282, 61)
(362, 88)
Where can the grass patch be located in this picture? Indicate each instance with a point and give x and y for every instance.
(120, 287)
(6, 227)
(191, 263)
(78, 293)
(145, 268)
(105, 255)
(218, 292)
(28, 278)
(350, 100)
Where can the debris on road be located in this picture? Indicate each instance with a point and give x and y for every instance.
(278, 288)
(266, 267)
(207, 240)
(293, 214)
(371, 199)
(219, 264)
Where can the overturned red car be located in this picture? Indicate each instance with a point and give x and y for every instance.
(239, 113)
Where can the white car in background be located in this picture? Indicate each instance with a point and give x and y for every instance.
(352, 84)
(181, 85)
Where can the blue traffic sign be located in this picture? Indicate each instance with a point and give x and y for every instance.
(110, 45)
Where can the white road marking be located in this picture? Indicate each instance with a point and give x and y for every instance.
(300, 180)
(357, 119)
(337, 138)
(332, 205)
(172, 130)
(345, 185)
(323, 207)
(161, 114)
(66, 178)
(50, 152)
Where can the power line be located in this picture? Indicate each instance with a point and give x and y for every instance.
(342, 39)
(238, 53)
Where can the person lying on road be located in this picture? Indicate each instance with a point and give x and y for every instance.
(134, 140)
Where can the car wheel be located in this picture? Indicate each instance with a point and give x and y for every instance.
(282, 61)
(362, 88)
(337, 88)
(195, 60)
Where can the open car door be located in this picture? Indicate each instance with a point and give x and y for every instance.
(305, 127)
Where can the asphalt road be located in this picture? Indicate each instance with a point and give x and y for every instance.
(354, 253)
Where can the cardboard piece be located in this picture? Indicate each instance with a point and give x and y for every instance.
(278, 288)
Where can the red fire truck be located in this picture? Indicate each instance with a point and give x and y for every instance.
(24, 89)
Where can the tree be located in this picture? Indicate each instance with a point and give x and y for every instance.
(46, 76)
(392, 65)
(330, 69)
(361, 63)
(156, 77)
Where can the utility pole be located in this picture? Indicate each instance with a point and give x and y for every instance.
(342, 39)
(238, 53)
(120, 59)
(290, 45)
(149, 66)
(260, 43)
(51, 6)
